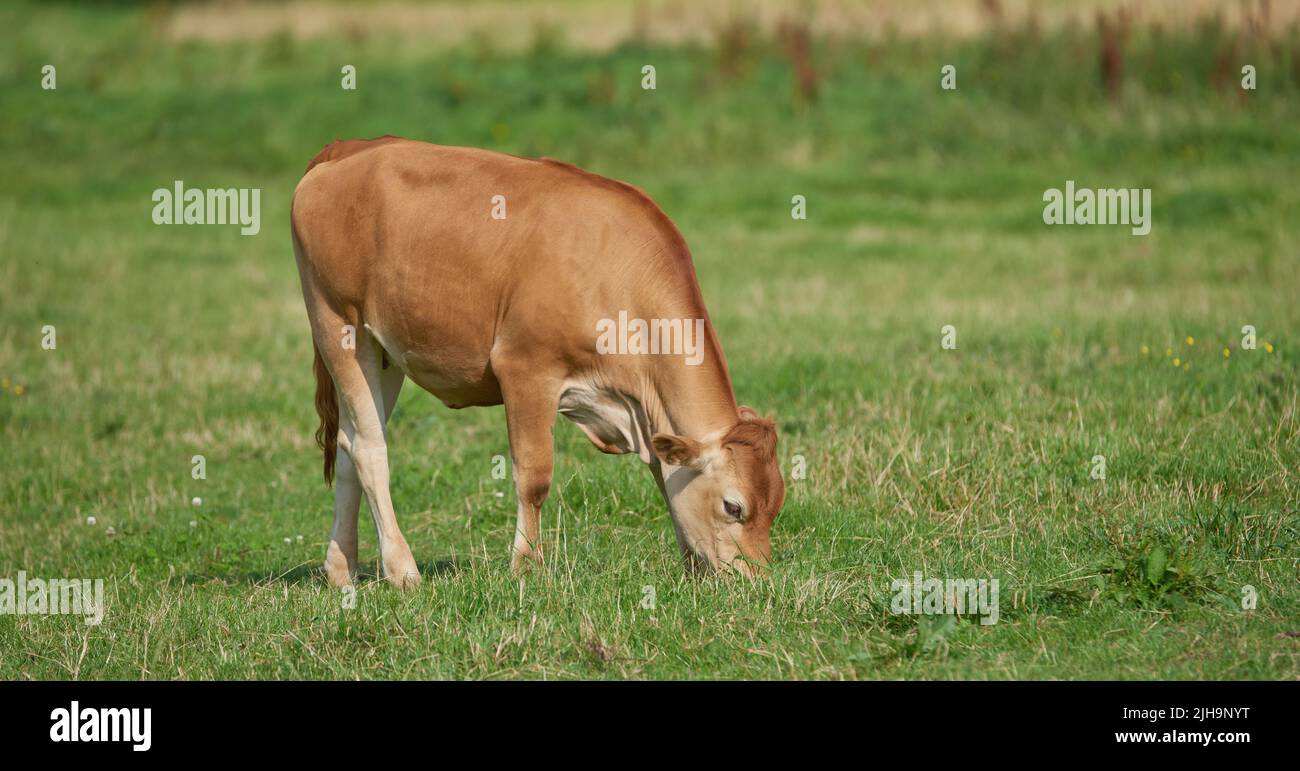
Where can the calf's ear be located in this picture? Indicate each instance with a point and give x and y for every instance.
(676, 450)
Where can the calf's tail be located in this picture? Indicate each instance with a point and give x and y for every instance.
(327, 407)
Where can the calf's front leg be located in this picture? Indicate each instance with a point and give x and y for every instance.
(531, 409)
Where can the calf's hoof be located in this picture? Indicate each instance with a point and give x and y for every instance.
(400, 570)
(404, 580)
(338, 570)
(524, 561)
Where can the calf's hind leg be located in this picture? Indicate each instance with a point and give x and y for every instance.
(367, 393)
(341, 555)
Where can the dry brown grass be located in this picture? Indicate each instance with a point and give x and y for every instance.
(600, 25)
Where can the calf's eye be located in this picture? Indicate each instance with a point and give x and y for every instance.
(734, 510)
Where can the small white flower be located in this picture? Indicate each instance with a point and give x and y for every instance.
(299, 539)
(109, 531)
(287, 539)
(197, 501)
(499, 494)
(194, 523)
(90, 520)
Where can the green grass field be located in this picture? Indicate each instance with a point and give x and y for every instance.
(924, 210)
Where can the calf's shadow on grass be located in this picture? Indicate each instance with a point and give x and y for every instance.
(313, 573)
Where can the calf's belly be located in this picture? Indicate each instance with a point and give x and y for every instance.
(452, 367)
(453, 383)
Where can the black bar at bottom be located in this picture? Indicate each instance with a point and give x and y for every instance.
(306, 719)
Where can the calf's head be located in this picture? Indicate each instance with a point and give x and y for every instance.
(724, 493)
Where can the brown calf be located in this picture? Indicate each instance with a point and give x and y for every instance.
(489, 279)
